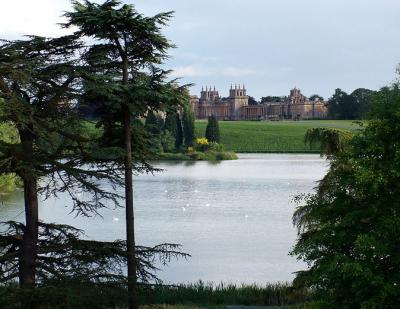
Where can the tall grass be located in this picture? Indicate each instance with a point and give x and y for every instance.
(206, 294)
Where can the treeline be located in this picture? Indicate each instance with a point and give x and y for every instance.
(355, 105)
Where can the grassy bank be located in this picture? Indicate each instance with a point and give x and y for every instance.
(208, 294)
(198, 156)
(270, 136)
(197, 295)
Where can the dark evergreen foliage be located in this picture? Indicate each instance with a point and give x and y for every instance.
(82, 273)
(170, 123)
(179, 133)
(40, 80)
(316, 97)
(212, 130)
(349, 106)
(127, 84)
(153, 124)
(188, 126)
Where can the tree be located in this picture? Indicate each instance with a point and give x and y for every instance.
(315, 97)
(188, 126)
(39, 83)
(170, 123)
(273, 99)
(252, 101)
(153, 123)
(349, 106)
(127, 48)
(348, 229)
(362, 97)
(179, 133)
(212, 130)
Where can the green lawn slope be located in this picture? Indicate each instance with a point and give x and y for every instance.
(271, 136)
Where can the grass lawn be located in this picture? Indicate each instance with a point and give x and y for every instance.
(270, 136)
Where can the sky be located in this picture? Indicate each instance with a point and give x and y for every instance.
(270, 46)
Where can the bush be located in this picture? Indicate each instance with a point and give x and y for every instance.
(202, 144)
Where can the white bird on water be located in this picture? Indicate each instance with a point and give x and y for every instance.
(183, 209)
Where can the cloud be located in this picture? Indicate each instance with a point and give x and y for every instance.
(39, 17)
(229, 71)
(185, 71)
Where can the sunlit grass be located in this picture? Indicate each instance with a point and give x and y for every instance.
(271, 136)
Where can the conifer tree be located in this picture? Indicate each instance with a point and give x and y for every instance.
(188, 126)
(170, 123)
(152, 123)
(127, 47)
(212, 130)
(39, 83)
(179, 133)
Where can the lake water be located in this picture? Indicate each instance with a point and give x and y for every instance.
(233, 217)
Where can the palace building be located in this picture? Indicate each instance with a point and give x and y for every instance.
(236, 106)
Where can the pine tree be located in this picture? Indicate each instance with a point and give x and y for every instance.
(152, 124)
(212, 130)
(170, 123)
(179, 133)
(39, 82)
(188, 127)
(126, 42)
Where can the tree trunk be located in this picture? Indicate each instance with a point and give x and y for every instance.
(130, 218)
(27, 275)
(28, 253)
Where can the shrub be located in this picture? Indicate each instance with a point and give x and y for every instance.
(202, 144)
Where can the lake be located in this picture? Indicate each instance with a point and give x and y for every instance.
(233, 217)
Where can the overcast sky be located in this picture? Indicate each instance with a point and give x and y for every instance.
(269, 45)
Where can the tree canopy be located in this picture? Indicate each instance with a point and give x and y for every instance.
(348, 229)
(349, 106)
(212, 130)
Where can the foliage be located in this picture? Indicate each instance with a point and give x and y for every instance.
(209, 294)
(271, 136)
(202, 144)
(331, 141)
(188, 126)
(212, 130)
(67, 263)
(349, 229)
(127, 84)
(273, 99)
(40, 81)
(316, 97)
(153, 123)
(179, 133)
(199, 156)
(48, 74)
(8, 182)
(349, 106)
(167, 141)
(170, 123)
(252, 101)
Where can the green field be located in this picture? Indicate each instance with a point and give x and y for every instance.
(271, 136)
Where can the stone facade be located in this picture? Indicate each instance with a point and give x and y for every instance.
(236, 106)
